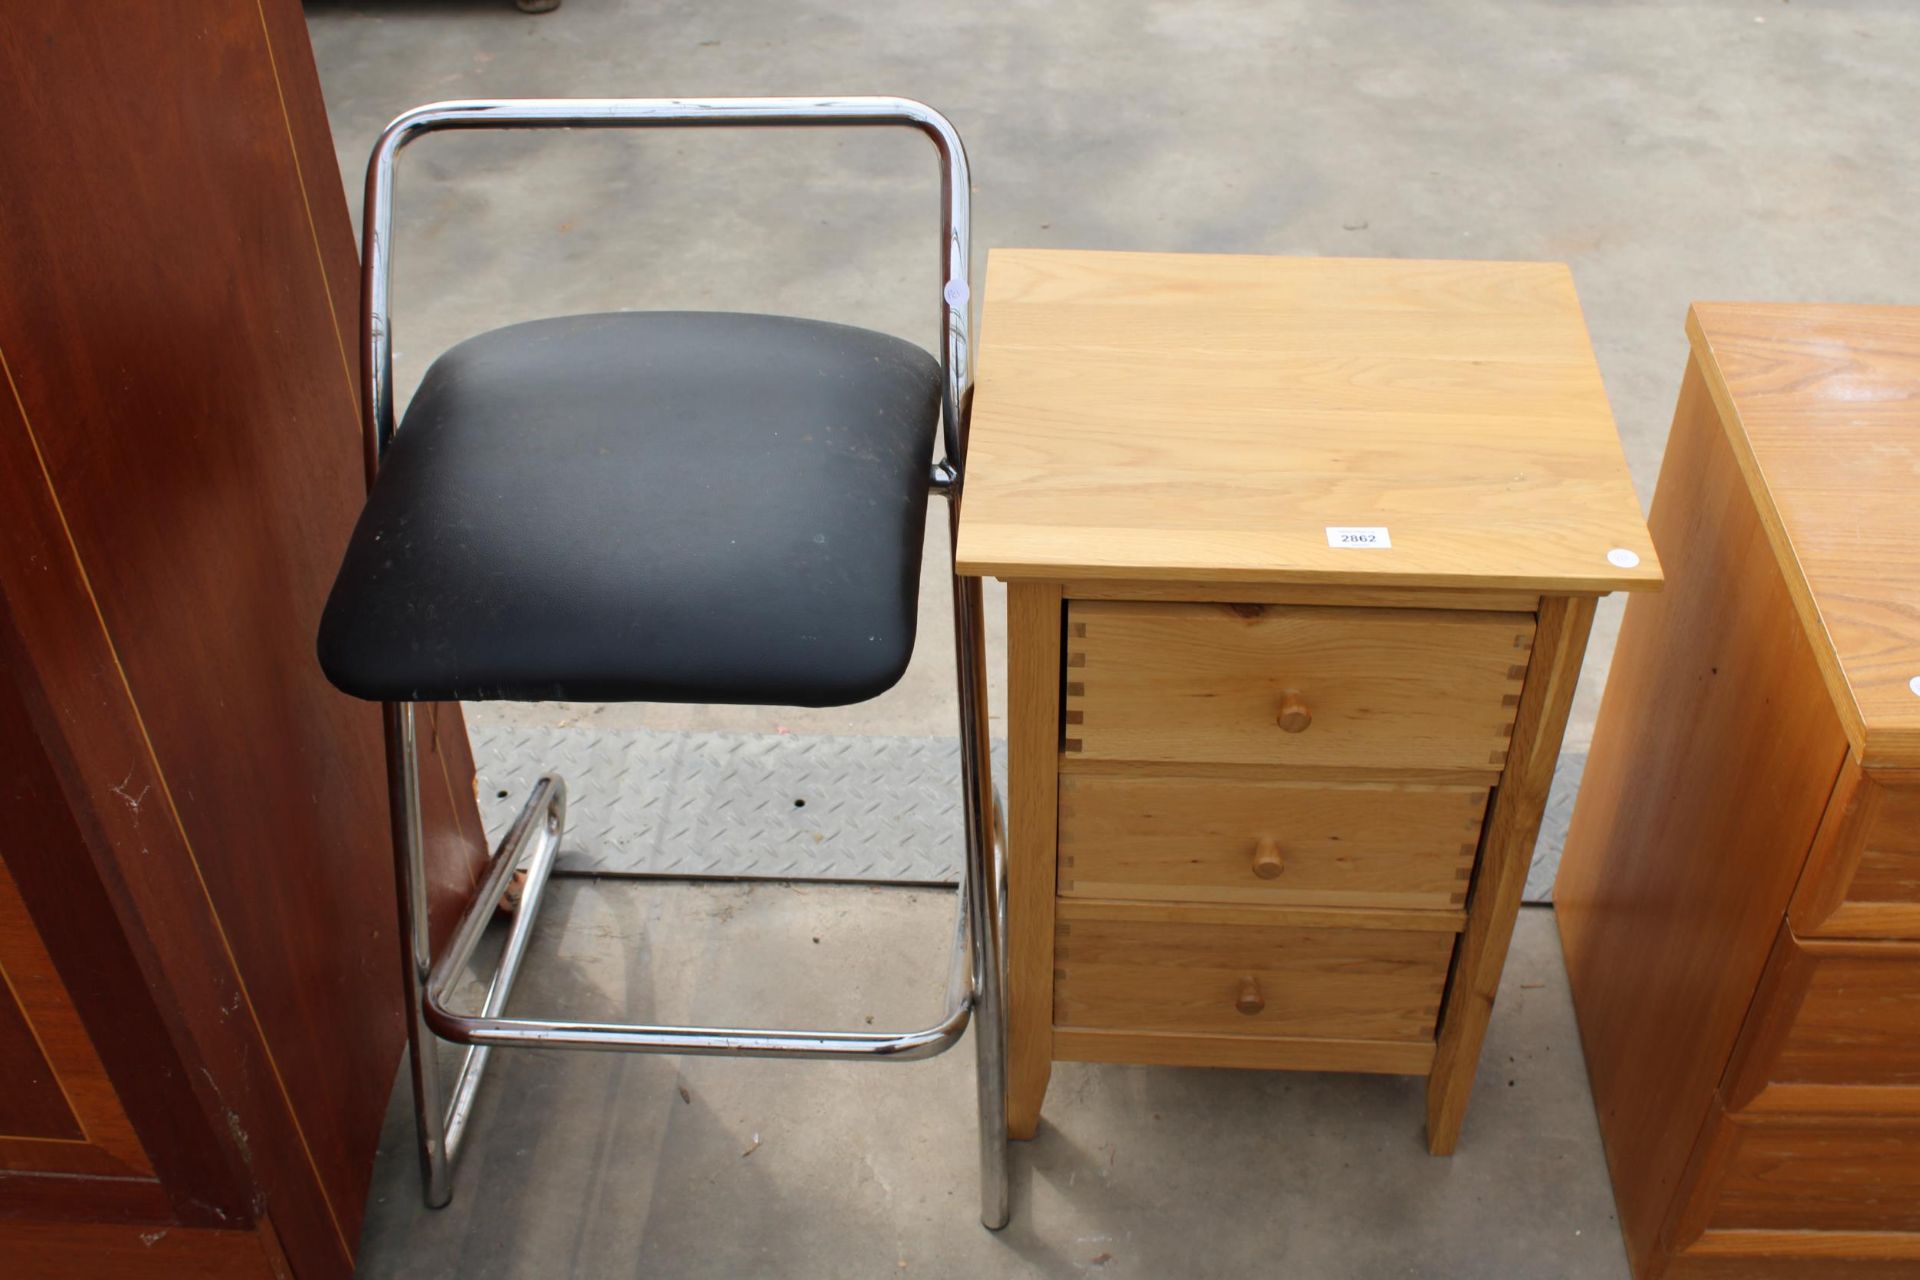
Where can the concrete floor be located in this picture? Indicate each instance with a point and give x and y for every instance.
(601, 1165)
(1670, 150)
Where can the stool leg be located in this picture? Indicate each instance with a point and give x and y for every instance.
(416, 952)
(989, 1024)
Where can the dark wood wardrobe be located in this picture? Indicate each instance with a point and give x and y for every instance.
(200, 1019)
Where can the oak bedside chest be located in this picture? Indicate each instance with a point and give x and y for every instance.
(1301, 559)
(1740, 894)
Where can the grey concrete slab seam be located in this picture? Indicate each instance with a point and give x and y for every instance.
(787, 806)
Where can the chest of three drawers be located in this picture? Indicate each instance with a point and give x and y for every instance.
(1277, 837)
(1301, 557)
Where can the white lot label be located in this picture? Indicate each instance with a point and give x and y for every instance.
(1339, 535)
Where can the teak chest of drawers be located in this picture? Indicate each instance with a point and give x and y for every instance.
(1301, 559)
(1740, 893)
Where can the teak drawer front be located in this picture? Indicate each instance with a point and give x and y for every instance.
(1863, 875)
(1200, 976)
(1812, 1175)
(1834, 1030)
(1214, 840)
(1367, 688)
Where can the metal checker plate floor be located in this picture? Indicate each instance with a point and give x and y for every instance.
(804, 807)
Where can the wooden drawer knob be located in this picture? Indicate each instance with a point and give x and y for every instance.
(1294, 716)
(1250, 1001)
(1267, 862)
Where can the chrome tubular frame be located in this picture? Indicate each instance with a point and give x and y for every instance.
(376, 259)
(975, 985)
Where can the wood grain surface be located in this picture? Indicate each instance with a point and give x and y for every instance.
(1274, 744)
(1506, 852)
(1384, 688)
(180, 464)
(1186, 974)
(1822, 404)
(100, 972)
(1818, 1175)
(73, 1251)
(1713, 758)
(1033, 752)
(1834, 1030)
(1259, 1053)
(1799, 1255)
(59, 1112)
(1208, 417)
(35, 1110)
(1332, 595)
(1863, 875)
(1195, 840)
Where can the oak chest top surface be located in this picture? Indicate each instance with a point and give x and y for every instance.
(1213, 417)
(1822, 406)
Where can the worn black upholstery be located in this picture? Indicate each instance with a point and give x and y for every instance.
(645, 506)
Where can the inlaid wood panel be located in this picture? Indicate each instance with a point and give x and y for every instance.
(73, 959)
(71, 1251)
(58, 1110)
(33, 1108)
(1293, 686)
(1235, 840)
(180, 464)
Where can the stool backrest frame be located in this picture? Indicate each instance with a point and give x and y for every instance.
(376, 258)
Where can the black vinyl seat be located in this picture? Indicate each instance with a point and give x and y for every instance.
(645, 506)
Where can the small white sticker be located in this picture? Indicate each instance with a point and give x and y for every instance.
(956, 293)
(1621, 558)
(1341, 535)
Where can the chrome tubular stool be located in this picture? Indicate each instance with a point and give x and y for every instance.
(657, 506)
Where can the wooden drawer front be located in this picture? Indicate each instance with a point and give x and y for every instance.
(1369, 688)
(1834, 1029)
(1842, 1176)
(1208, 840)
(1863, 876)
(1798, 1255)
(1193, 975)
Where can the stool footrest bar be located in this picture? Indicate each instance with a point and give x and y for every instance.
(540, 824)
(622, 1037)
